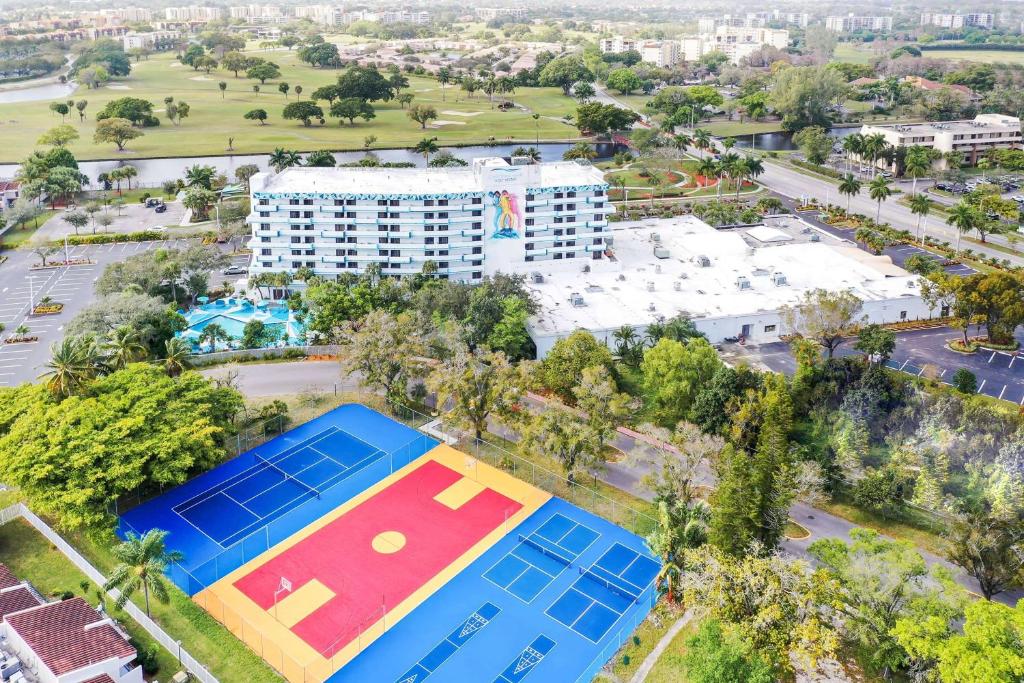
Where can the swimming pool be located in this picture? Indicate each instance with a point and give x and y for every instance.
(232, 314)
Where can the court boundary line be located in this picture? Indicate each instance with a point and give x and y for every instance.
(237, 478)
(338, 478)
(529, 564)
(522, 651)
(222, 547)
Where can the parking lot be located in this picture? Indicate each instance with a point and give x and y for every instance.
(918, 352)
(132, 218)
(71, 286)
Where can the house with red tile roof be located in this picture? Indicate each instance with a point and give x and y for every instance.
(15, 595)
(10, 190)
(922, 83)
(63, 642)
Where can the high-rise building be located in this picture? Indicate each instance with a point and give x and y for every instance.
(957, 20)
(469, 221)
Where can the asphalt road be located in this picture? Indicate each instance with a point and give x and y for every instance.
(795, 185)
(275, 379)
(72, 286)
(918, 352)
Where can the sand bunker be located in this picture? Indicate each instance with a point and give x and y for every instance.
(461, 113)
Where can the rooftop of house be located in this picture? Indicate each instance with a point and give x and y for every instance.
(69, 635)
(979, 124)
(15, 595)
(682, 266)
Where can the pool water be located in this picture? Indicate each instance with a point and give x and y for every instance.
(232, 314)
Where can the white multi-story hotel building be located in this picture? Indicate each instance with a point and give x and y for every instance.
(735, 42)
(957, 20)
(472, 221)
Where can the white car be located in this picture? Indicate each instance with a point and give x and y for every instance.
(159, 228)
(1018, 198)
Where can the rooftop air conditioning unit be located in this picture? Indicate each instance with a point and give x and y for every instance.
(650, 285)
(650, 307)
(576, 299)
(677, 286)
(586, 268)
(609, 241)
(779, 280)
(657, 268)
(815, 237)
(536, 277)
(661, 252)
(621, 278)
(703, 261)
(742, 282)
(656, 238)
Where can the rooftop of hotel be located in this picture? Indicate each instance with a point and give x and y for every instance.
(380, 180)
(698, 271)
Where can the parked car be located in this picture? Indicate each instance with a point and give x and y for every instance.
(161, 208)
(159, 228)
(154, 201)
(235, 270)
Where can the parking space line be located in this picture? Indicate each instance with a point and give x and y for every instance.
(992, 357)
(1002, 392)
(982, 387)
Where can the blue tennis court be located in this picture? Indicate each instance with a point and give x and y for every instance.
(230, 510)
(604, 592)
(225, 517)
(541, 556)
(491, 624)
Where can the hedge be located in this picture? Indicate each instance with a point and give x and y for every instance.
(113, 238)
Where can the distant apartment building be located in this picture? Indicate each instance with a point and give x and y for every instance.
(661, 53)
(753, 20)
(956, 20)
(152, 40)
(735, 42)
(254, 11)
(851, 23)
(469, 222)
(387, 17)
(193, 13)
(488, 13)
(126, 15)
(326, 15)
(617, 44)
(973, 138)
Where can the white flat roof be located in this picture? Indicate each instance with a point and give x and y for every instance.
(638, 288)
(380, 180)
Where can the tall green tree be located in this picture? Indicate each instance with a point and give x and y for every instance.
(562, 369)
(476, 385)
(142, 561)
(673, 375)
(385, 351)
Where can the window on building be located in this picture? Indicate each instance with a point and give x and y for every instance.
(529, 257)
(476, 273)
(264, 252)
(442, 202)
(307, 202)
(570, 195)
(382, 202)
(478, 250)
(293, 202)
(769, 328)
(903, 315)
(530, 197)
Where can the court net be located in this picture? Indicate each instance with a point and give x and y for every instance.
(270, 464)
(545, 550)
(613, 587)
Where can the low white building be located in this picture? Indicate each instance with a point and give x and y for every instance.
(617, 44)
(730, 283)
(973, 138)
(151, 40)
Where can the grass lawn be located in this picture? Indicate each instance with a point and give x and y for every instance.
(16, 237)
(848, 52)
(636, 101)
(31, 557)
(645, 638)
(914, 526)
(215, 118)
(986, 56)
(670, 668)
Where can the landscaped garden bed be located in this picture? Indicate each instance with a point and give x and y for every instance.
(47, 308)
(49, 265)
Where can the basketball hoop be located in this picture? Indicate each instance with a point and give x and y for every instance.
(284, 587)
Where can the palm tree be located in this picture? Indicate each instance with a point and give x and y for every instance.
(619, 182)
(213, 333)
(74, 362)
(426, 147)
(142, 563)
(916, 163)
(849, 186)
(729, 166)
(853, 145)
(752, 168)
(200, 176)
(681, 142)
(444, 77)
(879, 189)
(707, 168)
(702, 140)
(874, 147)
(964, 218)
(176, 355)
(920, 206)
(123, 346)
(284, 158)
(681, 527)
(626, 340)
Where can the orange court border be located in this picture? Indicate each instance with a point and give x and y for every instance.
(269, 631)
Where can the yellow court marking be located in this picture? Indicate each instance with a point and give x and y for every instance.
(459, 493)
(292, 656)
(302, 602)
(388, 542)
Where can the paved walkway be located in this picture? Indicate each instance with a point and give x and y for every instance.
(645, 669)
